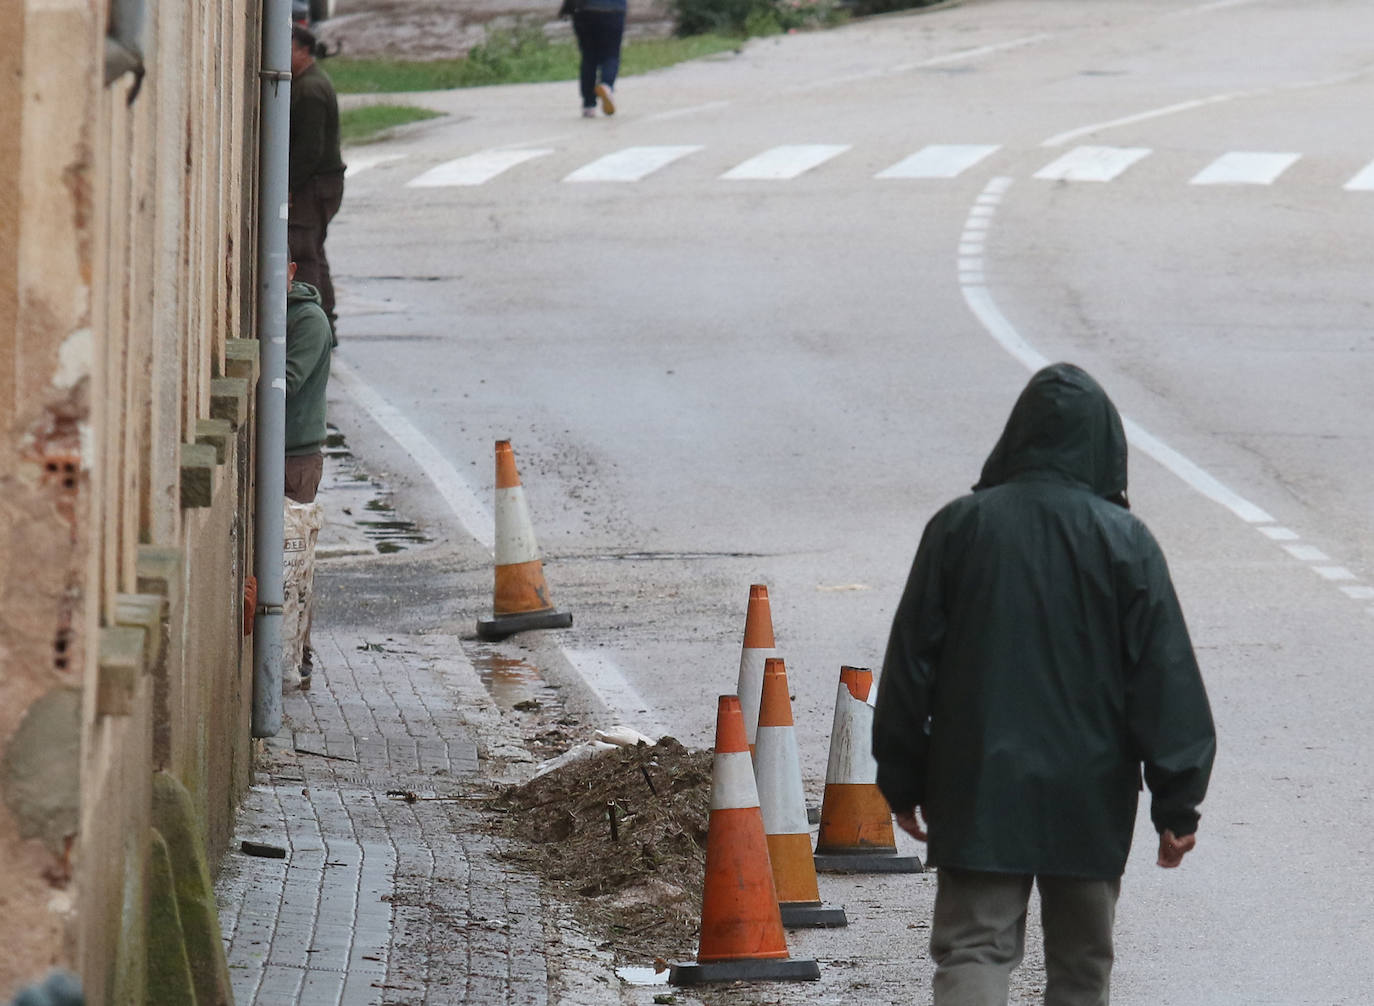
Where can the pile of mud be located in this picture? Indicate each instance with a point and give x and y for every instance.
(621, 835)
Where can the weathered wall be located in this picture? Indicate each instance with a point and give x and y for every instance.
(126, 266)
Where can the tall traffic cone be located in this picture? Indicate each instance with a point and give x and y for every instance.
(777, 768)
(856, 823)
(742, 938)
(521, 598)
(758, 647)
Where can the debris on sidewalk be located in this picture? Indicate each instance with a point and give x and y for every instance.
(620, 834)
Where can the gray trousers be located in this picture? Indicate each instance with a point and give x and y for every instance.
(979, 935)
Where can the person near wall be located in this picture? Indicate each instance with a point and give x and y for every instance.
(316, 170)
(309, 341)
(599, 26)
(1038, 662)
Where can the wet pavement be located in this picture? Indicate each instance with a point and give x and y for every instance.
(372, 878)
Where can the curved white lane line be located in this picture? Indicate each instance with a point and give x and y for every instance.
(979, 300)
(985, 309)
(1059, 139)
(472, 515)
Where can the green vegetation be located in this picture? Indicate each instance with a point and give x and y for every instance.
(358, 125)
(522, 54)
(756, 17)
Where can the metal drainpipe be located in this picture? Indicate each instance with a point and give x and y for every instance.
(274, 142)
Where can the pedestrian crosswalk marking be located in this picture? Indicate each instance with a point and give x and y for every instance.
(630, 164)
(357, 165)
(1092, 164)
(1241, 167)
(939, 161)
(786, 162)
(1364, 181)
(475, 169)
(782, 163)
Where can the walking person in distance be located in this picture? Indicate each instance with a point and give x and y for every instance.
(599, 26)
(1038, 663)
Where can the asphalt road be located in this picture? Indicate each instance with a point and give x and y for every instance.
(737, 334)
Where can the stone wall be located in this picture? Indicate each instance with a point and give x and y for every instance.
(127, 249)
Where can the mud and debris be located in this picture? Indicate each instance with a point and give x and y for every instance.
(620, 835)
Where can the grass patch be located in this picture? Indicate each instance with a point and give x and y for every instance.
(358, 125)
(520, 55)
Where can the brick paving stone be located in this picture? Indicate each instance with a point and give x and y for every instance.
(380, 900)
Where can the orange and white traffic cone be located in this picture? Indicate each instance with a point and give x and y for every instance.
(856, 823)
(758, 647)
(777, 769)
(521, 597)
(742, 938)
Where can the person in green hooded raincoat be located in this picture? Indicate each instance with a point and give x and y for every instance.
(1038, 666)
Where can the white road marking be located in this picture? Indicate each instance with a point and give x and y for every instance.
(964, 55)
(679, 113)
(939, 161)
(357, 165)
(1092, 164)
(630, 164)
(1333, 573)
(614, 689)
(472, 514)
(961, 56)
(475, 169)
(786, 162)
(1364, 181)
(985, 309)
(1207, 8)
(1240, 167)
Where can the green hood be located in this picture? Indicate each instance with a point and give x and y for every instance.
(1063, 422)
(299, 293)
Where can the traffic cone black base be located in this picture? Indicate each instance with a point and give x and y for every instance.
(799, 915)
(501, 626)
(867, 862)
(784, 970)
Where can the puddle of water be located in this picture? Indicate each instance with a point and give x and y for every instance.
(642, 976)
(389, 534)
(510, 681)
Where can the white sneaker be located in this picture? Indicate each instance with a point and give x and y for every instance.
(589, 113)
(607, 97)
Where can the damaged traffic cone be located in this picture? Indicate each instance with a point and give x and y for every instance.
(758, 647)
(856, 823)
(521, 597)
(742, 938)
(777, 767)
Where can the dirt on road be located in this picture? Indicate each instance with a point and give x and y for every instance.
(622, 837)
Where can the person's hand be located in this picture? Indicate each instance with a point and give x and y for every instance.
(910, 823)
(1172, 849)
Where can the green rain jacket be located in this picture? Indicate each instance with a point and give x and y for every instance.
(308, 342)
(1039, 659)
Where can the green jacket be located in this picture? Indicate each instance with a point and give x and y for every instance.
(1038, 658)
(314, 143)
(309, 340)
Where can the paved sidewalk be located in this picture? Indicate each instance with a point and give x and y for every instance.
(380, 898)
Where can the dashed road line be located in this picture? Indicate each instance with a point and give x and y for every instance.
(630, 164)
(475, 169)
(939, 161)
(785, 162)
(1092, 164)
(1241, 167)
